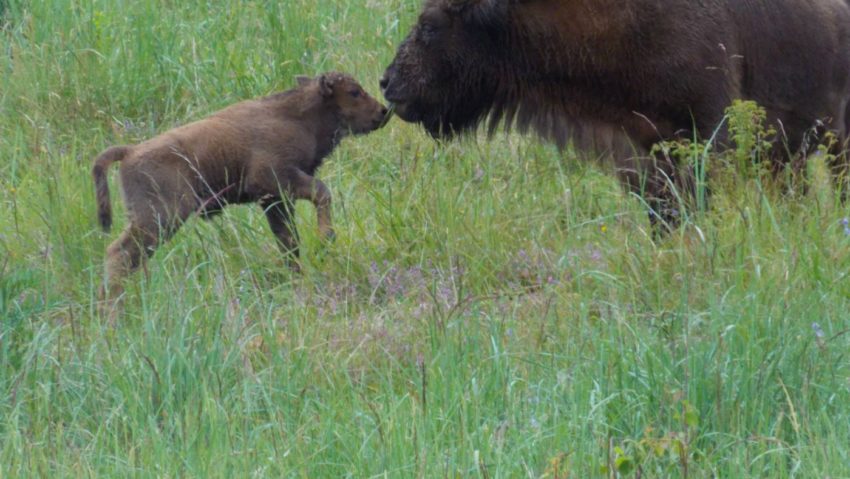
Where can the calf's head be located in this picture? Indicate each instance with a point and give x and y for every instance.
(446, 72)
(357, 111)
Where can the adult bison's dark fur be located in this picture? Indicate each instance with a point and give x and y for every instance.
(621, 75)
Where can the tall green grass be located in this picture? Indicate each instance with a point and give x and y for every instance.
(489, 309)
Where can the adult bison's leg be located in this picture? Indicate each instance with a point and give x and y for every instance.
(839, 167)
(655, 179)
(790, 154)
(840, 156)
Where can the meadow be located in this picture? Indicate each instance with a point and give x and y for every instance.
(490, 308)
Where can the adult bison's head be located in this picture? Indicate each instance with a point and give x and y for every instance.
(446, 72)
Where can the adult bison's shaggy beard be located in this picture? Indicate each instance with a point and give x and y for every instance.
(621, 75)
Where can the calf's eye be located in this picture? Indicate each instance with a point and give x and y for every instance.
(354, 93)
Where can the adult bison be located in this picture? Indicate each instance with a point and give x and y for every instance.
(620, 75)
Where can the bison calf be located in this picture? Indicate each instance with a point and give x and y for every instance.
(264, 150)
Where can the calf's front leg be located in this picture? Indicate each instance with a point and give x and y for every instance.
(306, 187)
(279, 213)
(277, 189)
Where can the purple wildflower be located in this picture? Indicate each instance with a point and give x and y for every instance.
(596, 254)
(479, 173)
(818, 330)
(819, 336)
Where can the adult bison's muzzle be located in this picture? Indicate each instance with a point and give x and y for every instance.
(403, 104)
(443, 75)
(396, 97)
(621, 75)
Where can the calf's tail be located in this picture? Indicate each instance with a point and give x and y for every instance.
(101, 185)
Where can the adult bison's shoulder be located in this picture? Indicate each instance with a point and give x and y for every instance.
(623, 74)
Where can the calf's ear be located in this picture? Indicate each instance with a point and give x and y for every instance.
(326, 85)
(303, 80)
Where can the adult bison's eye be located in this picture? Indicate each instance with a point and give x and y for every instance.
(427, 32)
(354, 93)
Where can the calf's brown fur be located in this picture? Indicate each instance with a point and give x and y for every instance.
(264, 150)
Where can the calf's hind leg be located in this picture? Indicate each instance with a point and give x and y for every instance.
(125, 255)
(148, 228)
